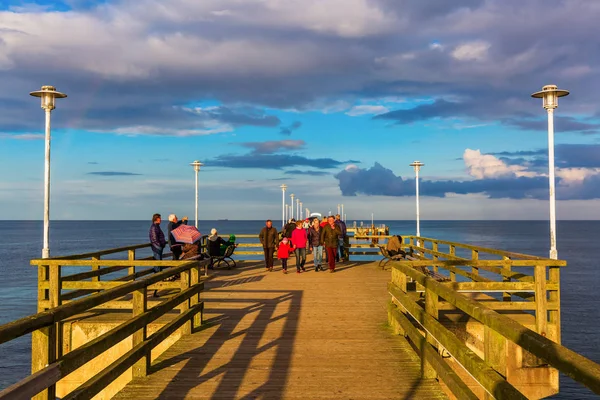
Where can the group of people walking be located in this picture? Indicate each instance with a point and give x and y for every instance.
(296, 237)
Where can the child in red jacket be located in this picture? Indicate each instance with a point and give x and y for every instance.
(283, 253)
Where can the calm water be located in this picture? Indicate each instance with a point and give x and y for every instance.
(577, 243)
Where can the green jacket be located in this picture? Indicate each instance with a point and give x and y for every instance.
(329, 235)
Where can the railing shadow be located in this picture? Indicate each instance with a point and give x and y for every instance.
(262, 306)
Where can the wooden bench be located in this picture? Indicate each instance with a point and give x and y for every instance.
(387, 257)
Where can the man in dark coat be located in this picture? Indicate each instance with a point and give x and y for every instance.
(330, 235)
(341, 254)
(268, 239)
(157, 238)
(157, 242)
(289, 228)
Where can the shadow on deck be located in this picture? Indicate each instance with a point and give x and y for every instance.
(308, 336)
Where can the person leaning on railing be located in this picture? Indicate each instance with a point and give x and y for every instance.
(157, 239)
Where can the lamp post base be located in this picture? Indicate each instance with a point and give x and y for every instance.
(45, 253)
(553, 254)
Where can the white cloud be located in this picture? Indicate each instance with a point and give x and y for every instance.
(570, 176)
(158, 131)
(22, 136)
(485, 166)
(473, 51)
(367, 109)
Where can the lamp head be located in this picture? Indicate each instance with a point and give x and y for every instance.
(550, 95)
(416, 165)
(196, 164)
(283, 187)
(48, 94)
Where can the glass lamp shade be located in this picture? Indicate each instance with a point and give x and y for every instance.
(48, 96)
(196, 164)
(550, 95)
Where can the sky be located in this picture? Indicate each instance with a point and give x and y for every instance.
(334, 98)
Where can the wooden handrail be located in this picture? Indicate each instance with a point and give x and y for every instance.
(43, 319)
(576, 366)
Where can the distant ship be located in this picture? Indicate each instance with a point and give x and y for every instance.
(224, 219)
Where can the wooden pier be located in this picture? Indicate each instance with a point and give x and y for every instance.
(452, 320)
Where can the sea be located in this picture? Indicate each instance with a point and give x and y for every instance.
(21, 241)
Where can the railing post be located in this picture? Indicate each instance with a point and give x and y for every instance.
(195, 299)
(140, 305)
(431, 308)
(554, 298)
(43, 353)
(506, 296)
(398, 279)
(43, 292)
(131, 257)
(434, 247)
(95, 268)
(452, 252)
(186, 329)
(475, 257)
(43, 341)
(541, 303)
(55, 284)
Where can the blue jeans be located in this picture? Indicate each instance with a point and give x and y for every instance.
(341, 247)
(300, 257)
(157, 254)
(318, 255)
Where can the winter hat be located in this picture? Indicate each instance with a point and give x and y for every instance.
(284, 240)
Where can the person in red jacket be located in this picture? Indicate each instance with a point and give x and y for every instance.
(299, 239)
(283, 253)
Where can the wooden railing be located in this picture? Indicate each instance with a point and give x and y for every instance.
(64, 296)
(515, 299)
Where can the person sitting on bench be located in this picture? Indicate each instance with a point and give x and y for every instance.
(214, 245)
(394, 246)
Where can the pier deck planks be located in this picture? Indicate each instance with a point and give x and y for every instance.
(275, 336)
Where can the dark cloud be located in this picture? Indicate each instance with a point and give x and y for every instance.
(309, 173)
(273, 161)
(487, 60)
(113, 173)
(274, 146)
(561, 124)
(93, 162)
(566, 156)
(287, 130)
(380, 181)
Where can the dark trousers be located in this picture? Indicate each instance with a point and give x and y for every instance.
(331, 256)
(177, 250)
(284, 263)
(269, 251)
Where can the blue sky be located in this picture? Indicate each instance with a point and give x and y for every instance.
(333, 98)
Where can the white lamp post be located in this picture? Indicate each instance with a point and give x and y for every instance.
(292, 206)
(48, 94)
(297, 208)
(550, 95)
(338, 209)
(342, 214)
(301, 211)
(283, 187)
(417, 166)
(196, 164)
